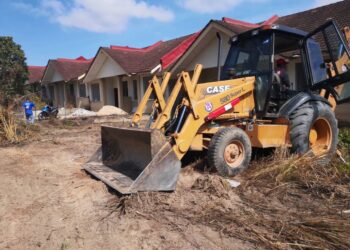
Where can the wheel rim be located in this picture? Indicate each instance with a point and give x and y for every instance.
(320, 136)
(234, 154)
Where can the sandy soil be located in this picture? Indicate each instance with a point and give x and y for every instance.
(48, 202)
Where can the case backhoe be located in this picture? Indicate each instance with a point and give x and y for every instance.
(247, 108)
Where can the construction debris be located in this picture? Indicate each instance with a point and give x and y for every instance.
(62, 112)
(233, 183)
(75, 113)
(110, 110)
(82, 112)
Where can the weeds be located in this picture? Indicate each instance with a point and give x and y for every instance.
(13, 129)
(284, 202)
(298, 203)
(344, 138)
(8, 126)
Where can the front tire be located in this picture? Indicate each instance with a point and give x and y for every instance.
(40, 116)
(313, 127)
(230, 151)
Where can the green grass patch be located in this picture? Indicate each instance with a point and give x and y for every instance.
(344, 138)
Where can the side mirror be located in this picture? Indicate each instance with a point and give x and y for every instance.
(231, 72)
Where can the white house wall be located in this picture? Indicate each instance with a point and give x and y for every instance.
(109, 68)
(208, 56)
(56, 77)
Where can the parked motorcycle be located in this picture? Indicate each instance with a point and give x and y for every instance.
(48, 112)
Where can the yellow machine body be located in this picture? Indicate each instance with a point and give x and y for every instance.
(149, 158)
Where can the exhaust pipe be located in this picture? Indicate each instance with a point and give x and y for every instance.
(219, 54)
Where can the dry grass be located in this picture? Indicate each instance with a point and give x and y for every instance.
(298, 203)
(8, 126)
(13, 129)
(284, 202)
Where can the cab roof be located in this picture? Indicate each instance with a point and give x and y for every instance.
(272, 28)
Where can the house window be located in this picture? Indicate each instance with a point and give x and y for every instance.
(134, 83)
(82, 90)
(95, 92)
(125, 88)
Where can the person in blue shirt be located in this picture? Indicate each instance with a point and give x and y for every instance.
(28, 110)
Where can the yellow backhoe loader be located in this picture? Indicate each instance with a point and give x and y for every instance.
(250, 106)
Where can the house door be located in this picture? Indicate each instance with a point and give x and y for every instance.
(116, 99)
(71, 95)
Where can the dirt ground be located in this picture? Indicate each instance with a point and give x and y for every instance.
(48, 202)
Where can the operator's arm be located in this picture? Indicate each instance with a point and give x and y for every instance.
(285, 79)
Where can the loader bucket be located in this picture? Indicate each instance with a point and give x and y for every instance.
(132, 160)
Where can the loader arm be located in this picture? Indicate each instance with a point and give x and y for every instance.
(135, 159)
(183, 81)
(199, 116)
(159, 102)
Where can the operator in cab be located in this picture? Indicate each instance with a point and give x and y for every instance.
(281, 72)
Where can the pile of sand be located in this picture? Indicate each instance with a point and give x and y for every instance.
(110, 110)
(64, 112)
(83, 112)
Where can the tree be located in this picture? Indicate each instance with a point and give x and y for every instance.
(13, 69)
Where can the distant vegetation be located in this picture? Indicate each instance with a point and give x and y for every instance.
(13, 70)
(344, 138)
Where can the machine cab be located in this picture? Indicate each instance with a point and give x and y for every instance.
(327, 57)
(311, 64)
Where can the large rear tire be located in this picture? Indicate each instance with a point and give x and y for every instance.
(314, 128)
(230, 151)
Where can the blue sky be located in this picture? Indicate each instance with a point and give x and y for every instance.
(49, 29)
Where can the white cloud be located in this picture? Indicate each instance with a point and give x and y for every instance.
(210, 6)
(109, 16)
(318, 3)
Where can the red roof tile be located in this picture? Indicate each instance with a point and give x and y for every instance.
(79, 59)
(239, 22)
(70, 68)
(305, 20)
(171, 57)
(127, 48)
(135, 60)
(35, 73)
(238, 26)
(311, 19)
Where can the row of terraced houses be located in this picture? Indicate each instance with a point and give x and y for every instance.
(118, 75)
